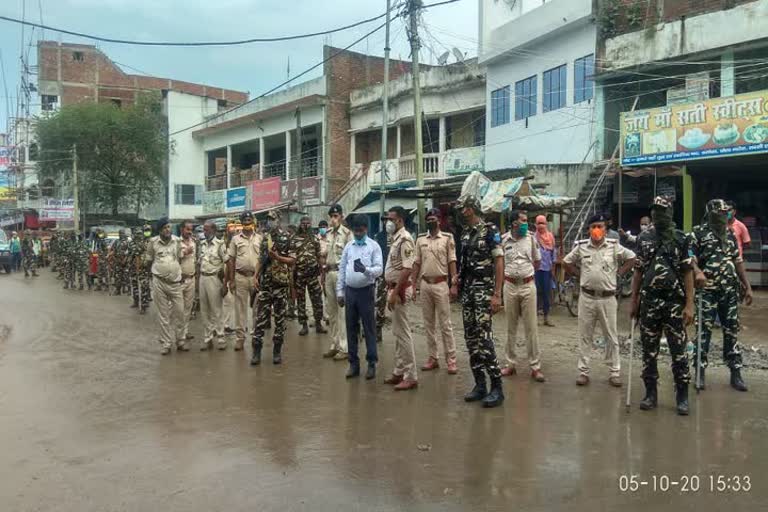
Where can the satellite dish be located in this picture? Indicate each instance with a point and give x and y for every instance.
(443, 59)
(458, 54)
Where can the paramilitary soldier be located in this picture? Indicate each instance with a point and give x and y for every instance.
(718, 273)
(120, 259)
(481, 281)
(138, 274)
(662, 300)
(101, 251)
(306, 276)
(273, 281)
(76, 258)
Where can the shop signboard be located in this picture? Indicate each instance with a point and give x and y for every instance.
(236, 199)
(310, 191)
(57, 210)
(714, 128)
(464, 160)
(214, 201)
(265, 193)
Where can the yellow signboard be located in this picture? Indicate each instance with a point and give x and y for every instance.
(714, 128)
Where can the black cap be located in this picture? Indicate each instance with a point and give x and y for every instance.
(434, 212)
(163, 221)
(246, 217)
(336, 208)
(323, 224)
(598, 217)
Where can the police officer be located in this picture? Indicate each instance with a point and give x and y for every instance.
(384, 239)
(597, 260)
(273, 281)
(338, 238)
(188, 272)
(212, 288)
(138, 274)
(662, 299)
(306, 276)
(242, 265)
(481, 279)
(397, 274)
(163, 256)
(718, 272)
(437, 282)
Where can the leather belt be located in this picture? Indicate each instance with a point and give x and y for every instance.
(331, 268)
(598, 293)
(247, 273)
(435, 280)
(517, 280)
(209, 273)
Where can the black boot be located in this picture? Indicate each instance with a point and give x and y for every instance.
(135, 302)
(353, 371)
(304, 329)
(256, 357)
(651, 399)
(682, 399)
(737, 382)
(496, 396)
(277, 357)
(480, 389)
(319, 329)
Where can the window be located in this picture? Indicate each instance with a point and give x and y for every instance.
(584, 85)
(555, 81)
(116, 102)
(48, 102)
(500, 106)
(188, 194)
(525, 98)
(78, 56)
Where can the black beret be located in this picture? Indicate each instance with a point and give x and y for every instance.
(434, 212)
(246, 216)
(598, 217)
(336, 208)
(162, 222)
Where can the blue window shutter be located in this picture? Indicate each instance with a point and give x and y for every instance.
(547, 91)
(563, 83)
(534, 95)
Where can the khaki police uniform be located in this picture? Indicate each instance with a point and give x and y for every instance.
(599, 265)
(188, 263)
(246, 252)
(338, 238)
(434, 255)
(520, 255)
(166, 282)
(401, 258)
(212, 256)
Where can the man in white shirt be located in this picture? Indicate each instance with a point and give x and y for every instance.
(361, 263)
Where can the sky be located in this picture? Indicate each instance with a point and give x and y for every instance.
(254, 68)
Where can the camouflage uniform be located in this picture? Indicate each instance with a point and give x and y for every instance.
(307, 276)
(66, 260)
(28, 255)
(120, 263)
(273, 294)
(720, 297)
(138, 274)
(384, 242)
(480, 245)
(662, 300)
(76, 262)
(102, 274)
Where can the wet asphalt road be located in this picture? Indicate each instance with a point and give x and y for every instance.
(92, 418)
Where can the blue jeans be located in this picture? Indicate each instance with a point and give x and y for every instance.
(16, 265)
(359, 305)
(544, 288)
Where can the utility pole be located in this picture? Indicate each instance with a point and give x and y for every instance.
(385, 119)
(414, 6)
(76, 192)
(299, 164)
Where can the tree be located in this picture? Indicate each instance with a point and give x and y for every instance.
(120, 151)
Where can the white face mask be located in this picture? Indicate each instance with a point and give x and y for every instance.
(643, 227)
(390, 227)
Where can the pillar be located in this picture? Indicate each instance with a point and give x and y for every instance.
(229, 166)
(441, 135)
(262, 158)
(288, 155)
(687, 201)
(399, 149)
(352, 151)
(727, 76)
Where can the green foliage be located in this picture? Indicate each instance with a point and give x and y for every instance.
(611, 12)
(120, 151)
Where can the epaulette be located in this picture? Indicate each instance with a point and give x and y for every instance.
(421, 235)
(581, 242)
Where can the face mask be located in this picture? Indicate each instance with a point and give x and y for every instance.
(360, 240)
(522, 230)
(432, 224)
(390, 227)
(597, 234)
(323, 231)
(248, 228)
(643, 228)
(147, 234)
(730, 216)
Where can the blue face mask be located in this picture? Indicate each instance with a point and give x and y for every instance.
(523, 229)
(360, 240)
(323, 231)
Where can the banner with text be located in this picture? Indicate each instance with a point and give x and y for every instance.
(718, 127)
(236, 199)
(265, 193)
(310, 191)
(57, 210)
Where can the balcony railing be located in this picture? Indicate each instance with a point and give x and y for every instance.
(431, 167)
(216, 182)
(276, 169)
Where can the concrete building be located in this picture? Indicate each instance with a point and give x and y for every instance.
(539, 61)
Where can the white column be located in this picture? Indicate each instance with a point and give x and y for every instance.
(441, 135)
(399, 149)
(727, 76)
(262, 158)
(352, 149)
(288, 155)
(229, 166)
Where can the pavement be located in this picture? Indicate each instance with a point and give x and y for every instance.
(92, 418)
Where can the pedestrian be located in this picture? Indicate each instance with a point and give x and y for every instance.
(37, 251)
(188, 272)
(361, 263)
(481, 277)
(719, 272)
(338, 238)
(28, 254)
(273, 281)
(544, 278)
(437, 281)
(163, 256)
(15, 252)
(384, 240)
(739, 230)
(596, 261)
(521, 259)
(306, 277)
(139, 276)
(242, 265)
(645, 223)
(662, 300)
(212, 287)
(397, 274)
